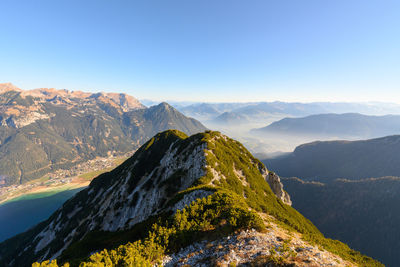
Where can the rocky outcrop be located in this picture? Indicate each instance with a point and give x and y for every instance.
(251, 248)
(5, 87)
(277, 187)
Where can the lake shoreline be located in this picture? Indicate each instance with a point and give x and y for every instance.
(24, 212)
(39, 190)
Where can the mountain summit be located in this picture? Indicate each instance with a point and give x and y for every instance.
(178, 200)
(5, 87)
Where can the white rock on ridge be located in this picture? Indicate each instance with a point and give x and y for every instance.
(276, 186)
(242, 249)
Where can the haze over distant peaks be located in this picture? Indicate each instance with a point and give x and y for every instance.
(231, 118)
(259, 110)
(344, 126)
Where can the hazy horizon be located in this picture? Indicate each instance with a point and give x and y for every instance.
(191, 102)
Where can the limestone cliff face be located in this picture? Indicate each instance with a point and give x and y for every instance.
(277, 187)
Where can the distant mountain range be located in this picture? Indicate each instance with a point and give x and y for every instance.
(341, 126)
(239, 119)
(209, 111)
(364, 213)
(230, 118)
(45, 129)
(256, 111)
(341, 159)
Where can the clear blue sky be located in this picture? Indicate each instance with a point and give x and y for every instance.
(206, 50)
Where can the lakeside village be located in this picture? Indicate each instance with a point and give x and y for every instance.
(66, 176)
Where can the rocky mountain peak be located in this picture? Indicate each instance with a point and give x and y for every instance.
(277, 187)
(64, 96)
(125, 101)
(5, 87)
(164, 106)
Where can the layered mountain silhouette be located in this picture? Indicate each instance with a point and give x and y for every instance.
(45, 129)
(343, 126)
(230, 118)
(264, 110)
(364, 213)
(178, 200)
(341, 159)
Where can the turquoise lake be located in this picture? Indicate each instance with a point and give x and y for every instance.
(19, 215)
